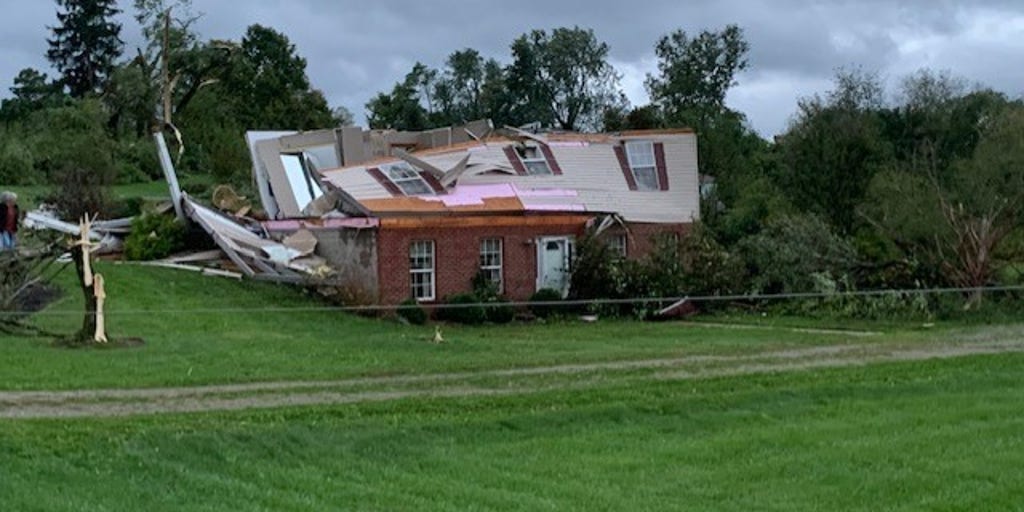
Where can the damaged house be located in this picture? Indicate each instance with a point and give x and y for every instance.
(401, 215)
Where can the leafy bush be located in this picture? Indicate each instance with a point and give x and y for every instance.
(545, 295)
(486, 291)
(412, 312)
(16, 162)
(467, 311)
(788, 254)
(693, 265)
(500, 314)
(707, 267)
(137, 161)
(153, 237)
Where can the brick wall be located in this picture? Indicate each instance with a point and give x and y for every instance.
(641, 239)
(457, 253)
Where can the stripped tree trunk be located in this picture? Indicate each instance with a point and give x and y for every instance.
(81, 255)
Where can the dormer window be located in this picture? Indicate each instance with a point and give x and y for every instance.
(640, 155)
(643, 164)
(408, 179)
(534, 160)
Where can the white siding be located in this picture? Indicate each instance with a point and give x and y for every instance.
(592, 171)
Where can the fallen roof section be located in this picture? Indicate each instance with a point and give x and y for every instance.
(254, 255)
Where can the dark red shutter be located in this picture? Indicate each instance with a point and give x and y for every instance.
(432, 181)
(659, 162)
(513, 158)
(383, 180)
(550, 157)
(620, 152)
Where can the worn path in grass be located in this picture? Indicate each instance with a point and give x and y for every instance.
(126, 402)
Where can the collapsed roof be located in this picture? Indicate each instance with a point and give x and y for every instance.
(647, 176)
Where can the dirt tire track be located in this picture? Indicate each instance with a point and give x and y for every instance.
(263, 395)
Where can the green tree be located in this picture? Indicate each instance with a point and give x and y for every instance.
(694, 74)
(269, 87)
(32, 91)
(937, 120)
(562, 79)
(176, 61)
(85, 44)
(76, 153)
(689, 90)
(959, 222)
(833, 148)
(403, 108)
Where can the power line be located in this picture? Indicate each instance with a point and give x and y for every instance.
(558, 303)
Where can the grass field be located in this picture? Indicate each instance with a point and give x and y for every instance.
(202, 330)
(942, 436)
(30, 196)
(716, 418)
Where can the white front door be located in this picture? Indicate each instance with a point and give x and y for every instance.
(553, 255)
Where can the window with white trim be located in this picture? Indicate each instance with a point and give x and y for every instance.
(640, 155)
(534, 160)
(421, 269)
(405, 177)
(490, 261)
(617, 245)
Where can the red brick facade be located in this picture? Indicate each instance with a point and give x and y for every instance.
(457, 251)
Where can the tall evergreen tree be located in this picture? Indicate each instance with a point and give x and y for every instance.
(85, 44)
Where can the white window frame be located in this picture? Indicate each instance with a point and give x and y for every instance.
(407, 178)
(494, 248)
(422, 250)
(619, 245)
(643, 164)
(305, 188)
(534, 160)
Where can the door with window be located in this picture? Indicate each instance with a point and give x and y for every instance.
(553, 257)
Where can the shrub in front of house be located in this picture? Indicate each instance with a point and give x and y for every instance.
(500, 313)
(412, 312)
(486, 291)
(467, 310)
(545, 310)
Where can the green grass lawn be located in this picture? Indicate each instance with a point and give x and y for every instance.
(940, 435)
(201, 330)
(30, 196)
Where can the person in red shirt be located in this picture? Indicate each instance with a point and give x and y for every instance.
(9, 216)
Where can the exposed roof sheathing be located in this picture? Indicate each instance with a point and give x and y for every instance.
(479, 176)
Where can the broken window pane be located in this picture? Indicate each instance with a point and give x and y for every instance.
(534, 160)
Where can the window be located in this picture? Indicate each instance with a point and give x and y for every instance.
(490, 261)
(407, 179)
(640, 155)
(534, 160)
(617, 245)
(421, 269)
(304, 186)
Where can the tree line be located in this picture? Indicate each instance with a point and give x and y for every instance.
(110, 99)
(867, 187)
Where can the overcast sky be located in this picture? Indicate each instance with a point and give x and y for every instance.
(355, 49)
